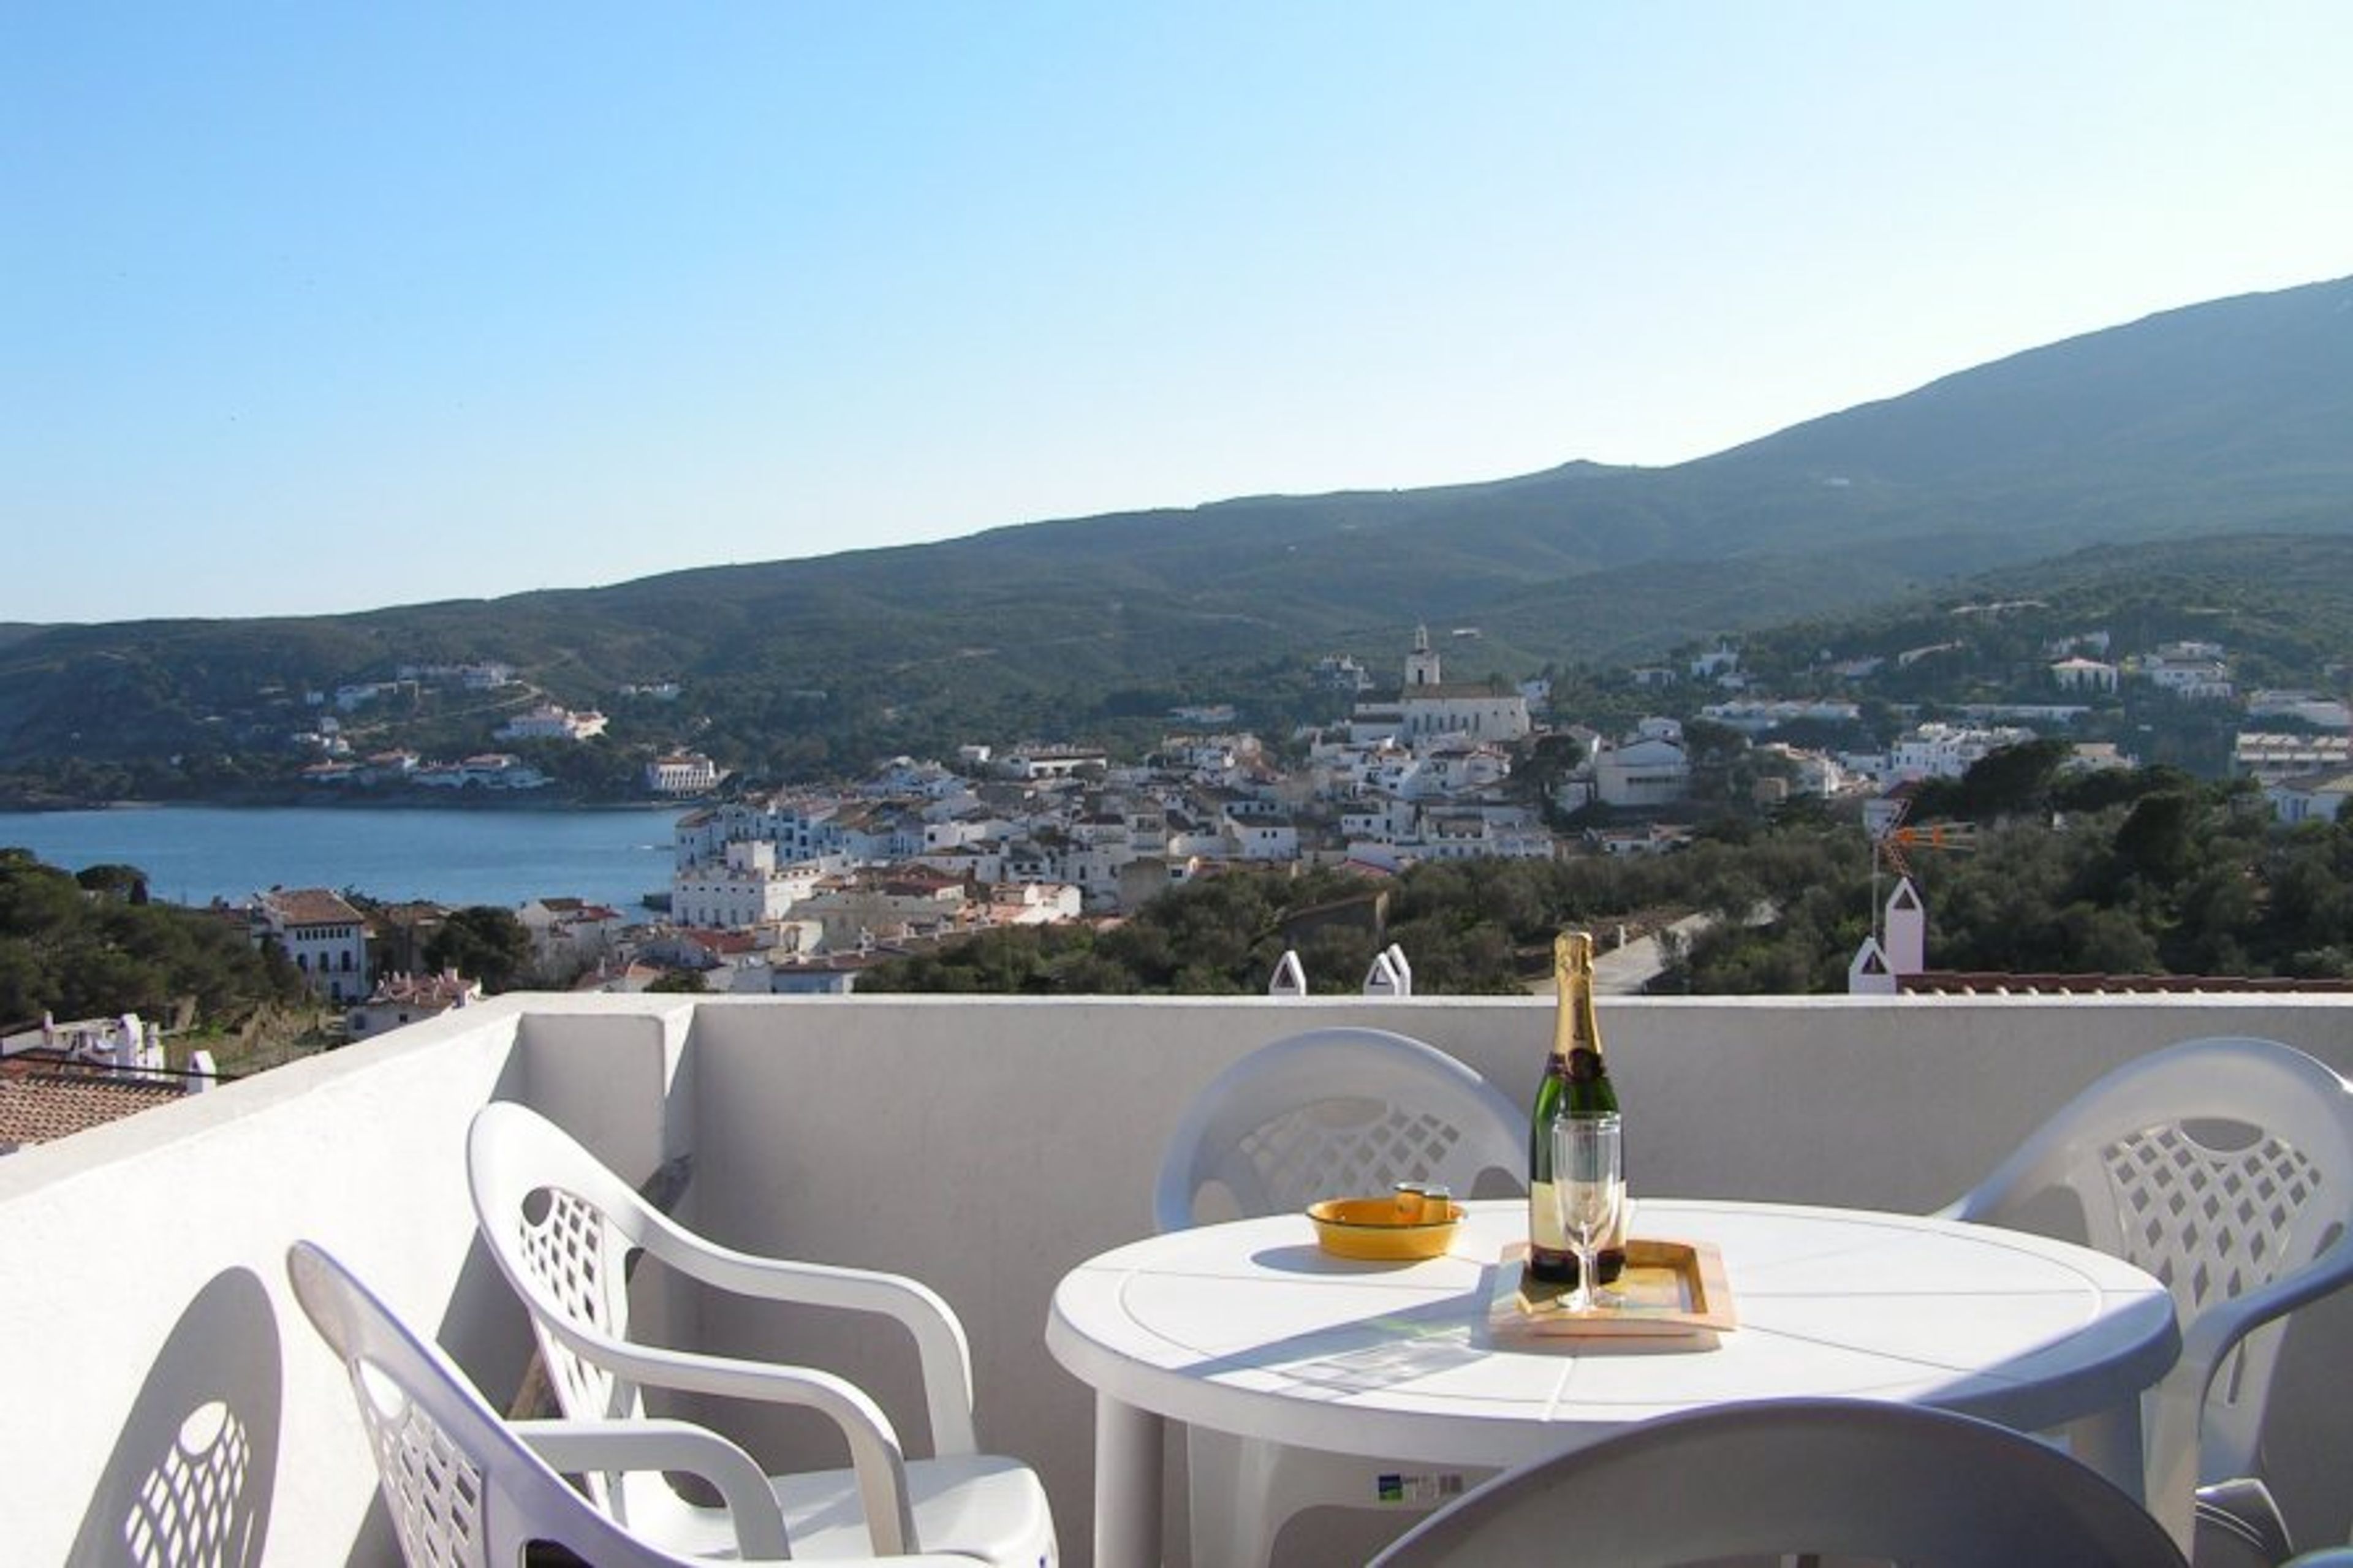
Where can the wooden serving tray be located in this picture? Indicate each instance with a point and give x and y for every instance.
(1676, 1293)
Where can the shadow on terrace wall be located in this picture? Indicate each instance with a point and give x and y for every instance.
(483, 1327)
(191, 1477)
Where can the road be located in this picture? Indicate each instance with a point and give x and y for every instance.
(1624, 970)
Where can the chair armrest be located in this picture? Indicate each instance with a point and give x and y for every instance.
(941, 1349)
(576, 1447)
(874, 1451)
(2219, 1327)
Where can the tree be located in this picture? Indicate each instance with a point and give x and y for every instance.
(2158, 840)
(127, 883)
(481, 942)
(687, 981)
(2012, 780)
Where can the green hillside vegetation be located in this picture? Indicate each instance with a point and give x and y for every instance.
(2221, 419)
(94, 946)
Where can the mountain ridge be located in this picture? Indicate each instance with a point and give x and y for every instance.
(2230, 416)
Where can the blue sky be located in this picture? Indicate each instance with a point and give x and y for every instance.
(323, 307)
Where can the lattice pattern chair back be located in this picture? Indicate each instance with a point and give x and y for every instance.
(1333, 1112)
(571, 1226)
(1337, 1112)
(463, 1489)
(578, 1258)
(2212, 1223)
(2223, 1167)
(433, 1490)
(1345, 1144)
(562, 1227)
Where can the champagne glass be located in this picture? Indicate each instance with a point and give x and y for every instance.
(1589, 1184)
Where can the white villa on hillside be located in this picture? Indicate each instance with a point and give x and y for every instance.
(2311, 797)
(325, 937)
(682, 773)
(2196, 671)
(1948, 751)
(2080, 674)
(549, 722)
(2269, 758)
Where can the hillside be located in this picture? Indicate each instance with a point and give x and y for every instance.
(2222, 418)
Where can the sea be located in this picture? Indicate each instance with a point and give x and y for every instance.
(195, 853)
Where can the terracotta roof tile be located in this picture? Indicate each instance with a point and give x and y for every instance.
(1985, 982)
(43, 1101)
(310, 906)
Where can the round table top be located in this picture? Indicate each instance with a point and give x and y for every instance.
(1250, 1327)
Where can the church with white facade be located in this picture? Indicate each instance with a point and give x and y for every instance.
(1427, 711)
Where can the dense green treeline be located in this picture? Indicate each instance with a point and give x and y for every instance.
(2042, 871)
(93, 946)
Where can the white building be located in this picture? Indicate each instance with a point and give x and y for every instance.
(2320, 712)
(1816, 774)
(1260, 837)
(549, 722)
(2269, 758)
(401, 999)
(1948, 751)
(801, 827)
(2311, 797)
(1054, 762)
(2194, 671)
(484, 769)
(2083, 675)
(1650, 771)
(1753, 716)
(682, 773)
(1427, 709)
(327, 938)
(746, 890)
(569, 934)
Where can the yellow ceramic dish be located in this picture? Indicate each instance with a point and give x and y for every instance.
(1394, 1229)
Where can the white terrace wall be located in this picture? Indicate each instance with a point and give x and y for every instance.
(144, 1284)
(984, 1145)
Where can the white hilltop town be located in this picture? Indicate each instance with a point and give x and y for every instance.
(802, 889)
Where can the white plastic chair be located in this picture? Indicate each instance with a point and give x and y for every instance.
(467, 1488)
(2223, 1167)
(1329, 1113)
(562, 1227)
(1838, 1477)
(1388, 974)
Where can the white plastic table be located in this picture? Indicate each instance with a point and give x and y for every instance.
(1249, 1327)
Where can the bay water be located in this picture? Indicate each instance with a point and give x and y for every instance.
(194, 854)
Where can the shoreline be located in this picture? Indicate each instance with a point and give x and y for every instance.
(49, 804)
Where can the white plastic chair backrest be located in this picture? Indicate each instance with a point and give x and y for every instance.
(1290, 977)
(562, 1227)
(2223, 1167)
(1838, 1477)
(1382, 979)
(463, 1489)
(1337, 1112)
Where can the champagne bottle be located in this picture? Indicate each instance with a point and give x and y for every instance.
(1576, 1083)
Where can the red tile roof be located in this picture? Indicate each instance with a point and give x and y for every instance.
(310, 906)
(43, 1099)
(1986, 983)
